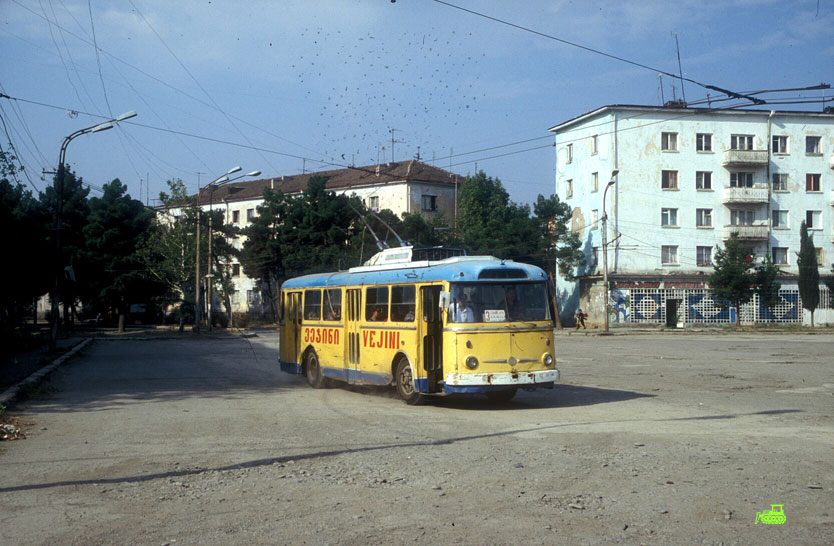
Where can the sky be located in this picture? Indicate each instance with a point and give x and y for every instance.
(288, 86)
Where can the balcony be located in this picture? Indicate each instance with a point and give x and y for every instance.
(756, 232)
(745, 158)
(756, 194)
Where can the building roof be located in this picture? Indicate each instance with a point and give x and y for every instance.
(338, 179)
(684, 109)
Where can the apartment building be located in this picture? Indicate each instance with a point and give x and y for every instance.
(402, 187)
(676, 182)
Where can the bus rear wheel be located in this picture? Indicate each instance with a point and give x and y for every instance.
(502, 396)
(315, 377)
(405, 384)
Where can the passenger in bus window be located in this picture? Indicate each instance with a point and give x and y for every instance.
(378, 315)
(514, 307)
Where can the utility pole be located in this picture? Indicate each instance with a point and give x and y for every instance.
(605, 246)
(197, 267)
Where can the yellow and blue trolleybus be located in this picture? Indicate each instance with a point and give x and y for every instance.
(428, 326)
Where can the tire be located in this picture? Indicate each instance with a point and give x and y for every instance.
(405, 384)
(315, 377)
(502, 396)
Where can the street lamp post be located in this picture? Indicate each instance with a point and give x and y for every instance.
(222, 181)
(59, 198)
(605, 246)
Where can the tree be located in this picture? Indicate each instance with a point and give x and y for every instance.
(560, 247)
(23, 220)
(732, 279)
(169, 251)
(809, 274)
(112, 273)
(489, 223)
(766, 286)
(74, 213)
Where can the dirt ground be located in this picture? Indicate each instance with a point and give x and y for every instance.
(650, 439)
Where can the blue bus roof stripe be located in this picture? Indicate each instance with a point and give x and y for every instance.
(447, 270)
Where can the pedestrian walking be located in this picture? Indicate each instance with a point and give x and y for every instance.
(580, 319)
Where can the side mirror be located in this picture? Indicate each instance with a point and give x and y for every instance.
(445, 299)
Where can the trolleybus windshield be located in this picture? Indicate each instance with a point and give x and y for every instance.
(498, 302)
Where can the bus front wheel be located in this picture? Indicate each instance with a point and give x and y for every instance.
(315, 377)
(405, 384)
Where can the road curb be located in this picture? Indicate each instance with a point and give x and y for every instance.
(11, 393)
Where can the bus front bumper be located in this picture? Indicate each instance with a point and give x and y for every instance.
(475, 382)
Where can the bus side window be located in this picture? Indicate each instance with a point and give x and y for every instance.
(333, 304)
(376, 304)
(402, 303)
(312, 305)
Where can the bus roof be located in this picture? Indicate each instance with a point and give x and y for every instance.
(457, 269)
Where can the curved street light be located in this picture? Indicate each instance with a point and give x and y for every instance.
(211, 186)
(611, 182)
(59, 196)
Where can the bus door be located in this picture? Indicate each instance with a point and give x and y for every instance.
(293, 327)
(432, 340)
(354, 314)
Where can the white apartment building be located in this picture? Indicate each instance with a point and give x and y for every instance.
(684, 179)
(402, 187)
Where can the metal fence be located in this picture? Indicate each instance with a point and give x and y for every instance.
(697, 306)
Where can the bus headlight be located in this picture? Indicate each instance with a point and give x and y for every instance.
(547, 360)
(471, 362)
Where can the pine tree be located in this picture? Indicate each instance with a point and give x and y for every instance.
(732, 279)
(809, 274)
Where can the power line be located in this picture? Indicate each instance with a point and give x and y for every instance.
(604, 54)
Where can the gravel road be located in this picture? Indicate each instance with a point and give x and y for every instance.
(650, 439)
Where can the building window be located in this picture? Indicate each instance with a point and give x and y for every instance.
(250, 297)
(780, 181)
(594, 258)
(569, 188)
(818, 250)
(373, 203)
(594, 218)
(250, 215)
(779, 144)
(703, 142)
(813, 219)
(703, 180)
(669, 255)
(779, 255)
(741, 142)
(569, 149)
(235, 270)
(669, 180)
(704, 256)
(812, 145)
(235, 297)
(812, 182)
(594, 145)
(235, 216)
(739, 217)
(669, 217)
(703, 217)
(429, 203)
(741, 180)
(594, 181)
(780, 219)
(669, 142)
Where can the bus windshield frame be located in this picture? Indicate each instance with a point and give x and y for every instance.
(491, 302)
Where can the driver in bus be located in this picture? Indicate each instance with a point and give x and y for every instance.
(463, 312)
